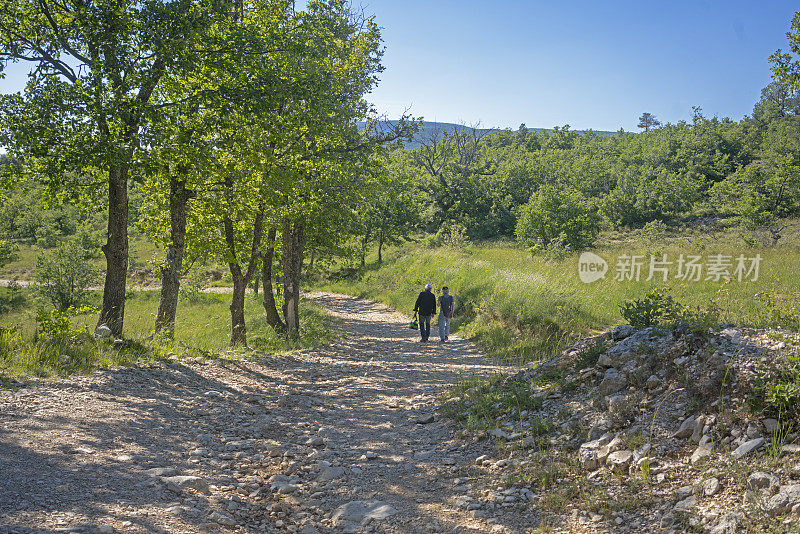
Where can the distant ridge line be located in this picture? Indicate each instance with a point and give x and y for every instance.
(428, 127)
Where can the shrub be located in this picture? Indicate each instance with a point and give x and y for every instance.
(55, 325)
(11, 297)
(454, 235)
(192, 287)
(448, 235)
(777, 391)
(88, 240)
(654, 231)
(553, 211)
(656, 308)
(557, 249)
(46, 237)
(63, 277)
(8, 252)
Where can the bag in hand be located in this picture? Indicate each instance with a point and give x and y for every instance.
(414, 323)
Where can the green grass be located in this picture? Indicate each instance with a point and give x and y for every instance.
(202, 329)
(522, 308)
(478, 403)
(142, 251)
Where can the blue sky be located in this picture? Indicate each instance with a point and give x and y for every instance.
(590, 64)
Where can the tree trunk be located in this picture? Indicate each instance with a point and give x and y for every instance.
(241, 279)
(364, 243)
(171, 273)
(116, 251)
(238, 328)
(381, 237)
(293, 243)
(273, 318)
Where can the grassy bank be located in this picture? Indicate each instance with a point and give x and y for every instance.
(523, 307)
(203, 329)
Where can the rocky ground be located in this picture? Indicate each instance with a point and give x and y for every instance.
(643, 430)
(341, 439)
(627, 431)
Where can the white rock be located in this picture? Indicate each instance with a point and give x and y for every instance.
(182, 482)
(791, 448)
(330, 473)
(686, 504)
(771, 425)
(686, 429)
(614, 445)
(222, 518)
(161, 472)
(619, 460)
(785, 500)
(701, 452)
(710, 487)
(747, 447)
(358, 511)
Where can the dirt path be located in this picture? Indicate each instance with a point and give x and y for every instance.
(338, 439)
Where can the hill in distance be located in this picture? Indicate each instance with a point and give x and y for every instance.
(430, 128)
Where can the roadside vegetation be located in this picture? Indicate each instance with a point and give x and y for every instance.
(523, 306)
(38, 342)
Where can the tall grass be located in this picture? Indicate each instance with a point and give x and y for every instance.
(202, 329)
(522, 307)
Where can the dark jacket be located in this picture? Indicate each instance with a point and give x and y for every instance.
(426, 303)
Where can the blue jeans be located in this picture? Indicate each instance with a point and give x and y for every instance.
(444, 326)
(425, 326)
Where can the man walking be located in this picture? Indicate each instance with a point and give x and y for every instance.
(426, 306)
(446, 309)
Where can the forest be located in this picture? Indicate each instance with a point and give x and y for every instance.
(241, 135)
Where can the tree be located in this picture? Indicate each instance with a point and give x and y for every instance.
(451, 162)
(557, 212)
(97, 66)
(390, 210)
(781, 160)
(648, 121)
(8, 252)
(63, 277)
(175, 171)
(287, 149)
(786, 65)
